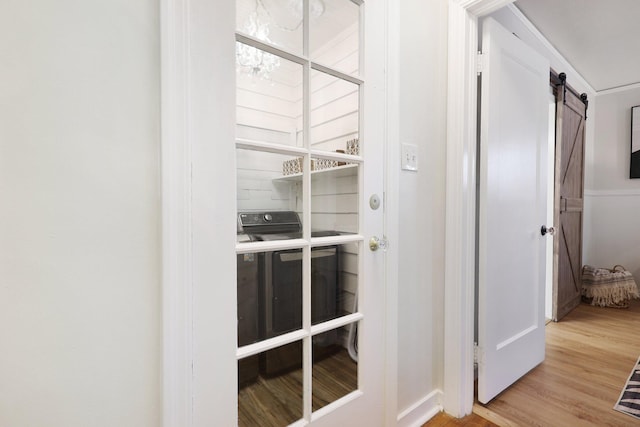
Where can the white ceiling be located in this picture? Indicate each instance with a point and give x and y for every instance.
(600, 38)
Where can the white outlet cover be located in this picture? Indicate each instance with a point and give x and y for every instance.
(409, 157)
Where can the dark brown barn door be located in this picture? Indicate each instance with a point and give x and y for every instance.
(569, 190)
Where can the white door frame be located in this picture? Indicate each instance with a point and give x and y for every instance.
(461, 160)
(177, 385)
(198, 217)
(460, 227)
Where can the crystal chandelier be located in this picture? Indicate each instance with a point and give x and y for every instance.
(316, 8)
(254, 61)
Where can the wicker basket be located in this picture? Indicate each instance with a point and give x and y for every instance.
(608, 287)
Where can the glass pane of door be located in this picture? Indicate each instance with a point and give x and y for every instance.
(335, 368)
(334, 282)
(335, 112)
(335, 197)
(269, 104)
(270, 387)
(268, 183)
(277, 22)
(298, 119)
(335, 35)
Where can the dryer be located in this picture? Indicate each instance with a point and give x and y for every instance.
(279, 289)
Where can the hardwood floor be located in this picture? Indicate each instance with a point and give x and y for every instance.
(445, 420)
(589, 356)
(277, 401)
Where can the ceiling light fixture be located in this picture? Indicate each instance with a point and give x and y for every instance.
(316, 8)
(254, 61)
(259, 63)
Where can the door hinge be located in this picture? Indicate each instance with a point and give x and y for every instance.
(476, 352)
(480, 63)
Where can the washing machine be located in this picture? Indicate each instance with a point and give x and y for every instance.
(279, 290)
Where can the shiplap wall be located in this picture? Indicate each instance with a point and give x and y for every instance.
(257, 187)
(266, 111)
(272, 111)
(334, 206)
(334, 102)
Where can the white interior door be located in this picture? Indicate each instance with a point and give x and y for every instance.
(512, 198)
(309, 125)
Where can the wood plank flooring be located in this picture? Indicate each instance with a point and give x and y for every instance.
(445, 420)
(277, 401)
(589, 356)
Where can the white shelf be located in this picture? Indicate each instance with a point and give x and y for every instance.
(338, 171)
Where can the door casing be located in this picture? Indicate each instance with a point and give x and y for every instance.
(461, 149)
(460, 225)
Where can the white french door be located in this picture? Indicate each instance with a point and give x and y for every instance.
(279, 107)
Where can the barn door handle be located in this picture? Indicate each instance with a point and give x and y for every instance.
(544, 230)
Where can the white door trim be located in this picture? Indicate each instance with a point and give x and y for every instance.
(177, 285)
(461, 201)
(391, 211)
(198, 216)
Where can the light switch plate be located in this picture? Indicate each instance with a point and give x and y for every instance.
(409, 157)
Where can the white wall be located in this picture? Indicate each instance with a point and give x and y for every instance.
(422, 75)
(79, 213)
(511, 18)
(612, 200)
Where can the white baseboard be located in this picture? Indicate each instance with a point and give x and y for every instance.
(421, 411)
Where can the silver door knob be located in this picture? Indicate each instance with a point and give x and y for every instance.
(544, 230)
(376, 243)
